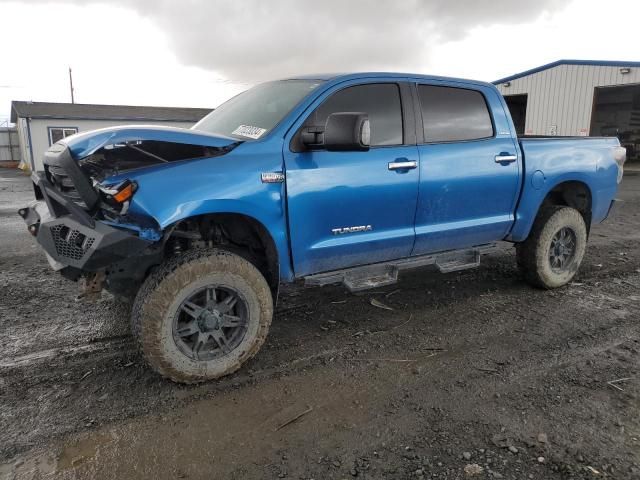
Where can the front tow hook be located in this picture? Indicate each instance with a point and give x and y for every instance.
(33, 224)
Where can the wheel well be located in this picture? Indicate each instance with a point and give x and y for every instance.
(571, 194)
(236, 232)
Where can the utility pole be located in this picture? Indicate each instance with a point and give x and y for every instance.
(71, 85)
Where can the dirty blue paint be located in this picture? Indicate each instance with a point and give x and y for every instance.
(457, 197)
(586, 160)
(150, 234)
(466, 198)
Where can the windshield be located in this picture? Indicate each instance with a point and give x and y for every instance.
(252, 114)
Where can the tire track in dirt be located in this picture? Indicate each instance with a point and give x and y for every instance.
(104, 347)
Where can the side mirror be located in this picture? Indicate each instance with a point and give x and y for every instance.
(347, 131)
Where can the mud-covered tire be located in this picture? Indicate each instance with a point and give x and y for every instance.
(169, 285)
(533, 255)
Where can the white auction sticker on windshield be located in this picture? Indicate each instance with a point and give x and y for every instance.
(249, 131)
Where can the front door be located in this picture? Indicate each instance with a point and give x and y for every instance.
(354, 208)
(469, 169)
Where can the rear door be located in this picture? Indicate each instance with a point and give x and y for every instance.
(469, 167)
(354, 208)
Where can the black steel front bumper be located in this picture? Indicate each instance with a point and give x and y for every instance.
(71, 237)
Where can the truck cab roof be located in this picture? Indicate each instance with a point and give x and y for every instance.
(339, 77)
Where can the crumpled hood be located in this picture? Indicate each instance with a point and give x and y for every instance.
(86, 143)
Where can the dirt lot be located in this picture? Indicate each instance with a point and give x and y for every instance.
(468, 368)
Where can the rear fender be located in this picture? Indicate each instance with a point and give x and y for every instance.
(532, 199)
(549, 162)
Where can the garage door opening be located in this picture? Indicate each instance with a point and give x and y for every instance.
(616, 113)
(518, 108)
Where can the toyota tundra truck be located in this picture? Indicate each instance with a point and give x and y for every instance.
(314, 179)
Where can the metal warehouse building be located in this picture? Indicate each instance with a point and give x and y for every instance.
(577, 97)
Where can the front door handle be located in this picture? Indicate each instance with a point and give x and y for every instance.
(403, 165)
(505, 157)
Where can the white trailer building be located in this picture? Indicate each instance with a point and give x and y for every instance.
(41, 124)
(577, 97)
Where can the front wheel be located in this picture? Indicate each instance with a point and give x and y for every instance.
(551, 255)
(201, 315)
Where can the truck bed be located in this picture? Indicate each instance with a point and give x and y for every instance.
(551, 160)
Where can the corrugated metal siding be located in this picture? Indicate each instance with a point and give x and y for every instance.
(563, 96)
(9, 145)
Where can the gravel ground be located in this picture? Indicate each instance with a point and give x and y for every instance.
(470, 375)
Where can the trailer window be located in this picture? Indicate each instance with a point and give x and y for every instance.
(453, 114)
(58, 133)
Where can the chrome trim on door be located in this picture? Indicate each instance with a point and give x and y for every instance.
(506, 158)
(408, 165)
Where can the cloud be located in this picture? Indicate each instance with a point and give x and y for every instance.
(253, 40)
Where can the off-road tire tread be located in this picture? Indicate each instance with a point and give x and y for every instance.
(526, 252)
(185, 264)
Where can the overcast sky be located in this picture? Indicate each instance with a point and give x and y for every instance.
(198, 53)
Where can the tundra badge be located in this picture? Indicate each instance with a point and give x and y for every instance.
(272, 177)
(360, 228)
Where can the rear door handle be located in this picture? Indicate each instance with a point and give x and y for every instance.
(505, 157)
(403, 165)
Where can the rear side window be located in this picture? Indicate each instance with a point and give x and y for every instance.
(381, 101)
(453, 114)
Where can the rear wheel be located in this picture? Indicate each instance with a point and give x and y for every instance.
(553, 252)
(201, 315)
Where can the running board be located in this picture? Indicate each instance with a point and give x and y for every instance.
(386, 273)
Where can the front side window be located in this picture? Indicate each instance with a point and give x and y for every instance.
(253, 113)
(453, 114)
(381, 101)
(58, 133)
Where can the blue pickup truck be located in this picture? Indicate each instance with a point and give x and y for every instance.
(326, 179)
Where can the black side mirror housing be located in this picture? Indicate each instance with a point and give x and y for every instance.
(311, 137)
(347, 131)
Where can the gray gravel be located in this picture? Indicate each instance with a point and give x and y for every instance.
(471, 363)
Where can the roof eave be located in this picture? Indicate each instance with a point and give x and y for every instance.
(111, 119)
(14, 113)
(600, 63)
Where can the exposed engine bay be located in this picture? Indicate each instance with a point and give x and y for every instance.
(90, 200)
(121, 157)
(83, 181)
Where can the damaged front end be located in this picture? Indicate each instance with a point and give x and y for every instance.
(82, 216)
